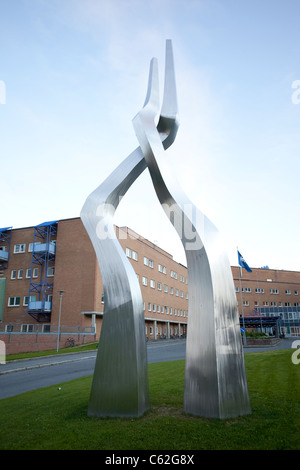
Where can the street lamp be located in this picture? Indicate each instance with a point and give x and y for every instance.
(61, 293)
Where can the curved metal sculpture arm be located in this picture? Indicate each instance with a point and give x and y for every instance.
(120, 386)
(98, 211)
(215, 380)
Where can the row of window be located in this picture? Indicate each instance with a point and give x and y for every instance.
(150, 263)
(16, 301)
(28, 328)
(163, 330)
(246, 303)
(262, 291)
(19, 273)
(160, 287)
(165, 309)
(21, 247)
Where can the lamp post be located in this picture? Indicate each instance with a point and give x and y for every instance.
(61, 293)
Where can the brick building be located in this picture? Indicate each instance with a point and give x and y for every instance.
(38, 262)
(270, 292)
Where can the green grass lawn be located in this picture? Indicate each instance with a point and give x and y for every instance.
(52, 352)
(57, 419)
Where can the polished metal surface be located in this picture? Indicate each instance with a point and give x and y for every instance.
(120, 382)
(215, 378)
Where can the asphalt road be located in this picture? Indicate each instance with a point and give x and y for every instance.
(25, 375)
(29, 374)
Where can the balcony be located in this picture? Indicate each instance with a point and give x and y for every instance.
(40, 306)
(41, 248)
(3, 255)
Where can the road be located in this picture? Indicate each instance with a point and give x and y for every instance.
(22, 376)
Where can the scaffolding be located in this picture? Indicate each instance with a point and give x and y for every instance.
(41, 284)
(5, 239)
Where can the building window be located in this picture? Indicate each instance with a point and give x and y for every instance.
(174, 274)
(20, 273)
(162, 269)
(154, 307)
(288, 291)
(149, 306)
(27, 328)
(50, 271)
(176, 292)
(131, 254)
(165, 288)
(145, 281)
(171, 290)
(31, 245)
(296, 292)
(14, 301)
(13, 274)
(102, 297)
(159, 285)
(20, 248)
(148, 262)
(26, 299)
(152, 284)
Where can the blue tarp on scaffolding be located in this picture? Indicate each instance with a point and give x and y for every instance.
(46, 224)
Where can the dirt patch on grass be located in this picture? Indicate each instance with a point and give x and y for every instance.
(169, 411)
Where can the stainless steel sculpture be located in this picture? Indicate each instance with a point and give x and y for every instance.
(215, 378)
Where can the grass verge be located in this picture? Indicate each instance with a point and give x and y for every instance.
(51, 419)
(52, 352)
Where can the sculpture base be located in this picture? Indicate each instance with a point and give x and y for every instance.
(120, 382)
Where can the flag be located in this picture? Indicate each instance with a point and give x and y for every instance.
(243, 263)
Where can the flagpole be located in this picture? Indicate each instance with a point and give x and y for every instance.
(240, 279)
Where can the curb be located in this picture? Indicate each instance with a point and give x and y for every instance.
(39, 366)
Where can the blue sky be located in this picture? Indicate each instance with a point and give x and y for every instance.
(75, 75)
